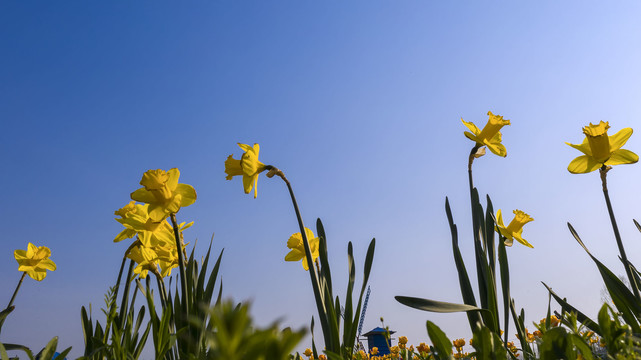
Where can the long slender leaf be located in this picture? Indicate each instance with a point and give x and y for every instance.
(464, 280)
(435, 306)
(442, 344)
(589, 323)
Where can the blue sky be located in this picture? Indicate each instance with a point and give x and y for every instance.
(358, 102)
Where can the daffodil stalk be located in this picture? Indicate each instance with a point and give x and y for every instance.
(273, 171)
(633, 283)
(181, 261)
(13, 297)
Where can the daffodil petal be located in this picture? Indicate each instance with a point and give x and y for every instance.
(497, 149)
(37, 275)
(471, 136)
(143, 195)
(619, 139)
(622, 156)
(188, 194)
(508, 242)
(583, 165)
(172, 181)
(499, 218)
(47, 264)
(248, 183)
(294, 255)
(523, 241)
(473, 128)
(584, 147)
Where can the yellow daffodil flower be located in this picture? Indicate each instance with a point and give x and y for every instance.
(490, 136)
(34, 261)
(308, 352)
(601, 149)
(145, 258)
(295, 242)
(137, 221)
(515, 228)
(248, 166)
(163, 193)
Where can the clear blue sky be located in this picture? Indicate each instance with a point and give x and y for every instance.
(358, 102)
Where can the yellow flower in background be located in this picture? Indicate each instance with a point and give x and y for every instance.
(402, 340)
(308, 352)
(490, 136)
(515, 228)
(248, 166)
(295, 242)
(34, 261)
(601, 149)
(374, 350)
(163, 193)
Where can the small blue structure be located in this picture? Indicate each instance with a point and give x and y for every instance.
(380, 338)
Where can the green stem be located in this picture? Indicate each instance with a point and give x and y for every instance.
(13, 297)
(181, 263)
(310, 263)
(633, 283)
(125, 296)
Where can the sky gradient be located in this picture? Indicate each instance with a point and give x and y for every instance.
(359, 103)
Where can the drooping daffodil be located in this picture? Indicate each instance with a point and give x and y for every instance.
(600, 150)
(248, 166)
(490, 136)
(145, 259)
(295, 242)
(515, 228)
(34, 261)
(163, 193)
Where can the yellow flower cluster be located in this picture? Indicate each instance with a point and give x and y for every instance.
(295, 243)
(155, 247)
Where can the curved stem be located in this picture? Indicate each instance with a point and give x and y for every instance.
(181, 262)
(633, 283)
(308, 255)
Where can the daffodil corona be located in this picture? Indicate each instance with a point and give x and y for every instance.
(599, 149)
(490, 136)
(248, 166)
(295, 242)
(34, 261)
(514, 229)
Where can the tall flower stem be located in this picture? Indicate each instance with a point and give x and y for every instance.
(633, 283)
(181, 262)
(13, 297)
(308, 254)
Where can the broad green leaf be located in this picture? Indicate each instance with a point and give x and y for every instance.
(442, 344)
(435, 306)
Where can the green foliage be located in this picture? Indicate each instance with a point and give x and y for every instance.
(230, 335)
(442, 344)
(488, 345)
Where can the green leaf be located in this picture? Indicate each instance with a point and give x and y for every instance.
(464, 280)
(571, 309)
(435, 306)
(442, 344)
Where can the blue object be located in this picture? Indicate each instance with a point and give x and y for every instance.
(378, 337)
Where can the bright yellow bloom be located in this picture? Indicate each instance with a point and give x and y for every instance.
(322, 357)
(34, 261)
(163, 193)
(515, 228)
(248, 166)
(458, 344)
(145, 258)
(295, 242)
(402, 340)
(601, 149)
(308, 352)
(150, 232)
(374, 350)
(490, 136)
